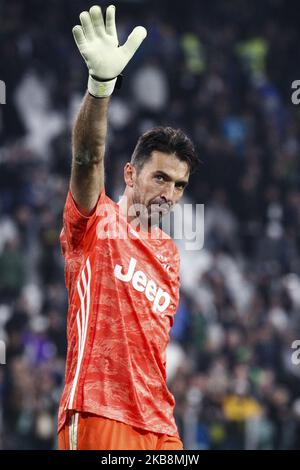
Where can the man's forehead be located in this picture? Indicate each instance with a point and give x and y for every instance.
(168, 163)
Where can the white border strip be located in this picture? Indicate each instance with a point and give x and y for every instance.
(85, 310)
(73, 431)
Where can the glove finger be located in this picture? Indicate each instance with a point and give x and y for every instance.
(134, 41)
(87, 25)
(97, 20)
(78, 36)
(111, 21)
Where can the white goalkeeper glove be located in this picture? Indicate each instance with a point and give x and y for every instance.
(99, 46)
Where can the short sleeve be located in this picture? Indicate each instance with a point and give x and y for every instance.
(75, 224)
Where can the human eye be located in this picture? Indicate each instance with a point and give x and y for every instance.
(159, 178)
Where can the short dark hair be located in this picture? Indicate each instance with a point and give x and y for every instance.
(167, 140)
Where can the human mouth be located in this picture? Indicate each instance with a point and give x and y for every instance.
(160, 207)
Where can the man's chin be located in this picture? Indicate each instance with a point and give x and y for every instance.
(155, 217)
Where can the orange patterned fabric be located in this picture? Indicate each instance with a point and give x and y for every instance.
(84, 431)
(123, 295)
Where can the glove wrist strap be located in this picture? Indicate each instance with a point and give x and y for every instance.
(101, 89)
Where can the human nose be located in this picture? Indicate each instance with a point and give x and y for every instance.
(168, 192)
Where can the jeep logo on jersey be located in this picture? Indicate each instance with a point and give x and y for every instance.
(159, 298)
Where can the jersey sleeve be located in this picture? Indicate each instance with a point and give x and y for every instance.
(75, 224)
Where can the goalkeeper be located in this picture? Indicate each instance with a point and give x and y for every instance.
(123, 291)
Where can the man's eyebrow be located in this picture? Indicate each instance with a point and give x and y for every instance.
(168, 177)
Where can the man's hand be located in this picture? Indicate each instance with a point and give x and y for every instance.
(98, 44)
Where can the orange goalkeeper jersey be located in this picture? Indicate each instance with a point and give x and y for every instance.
(123, 293)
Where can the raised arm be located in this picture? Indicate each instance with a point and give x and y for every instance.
(89, 133)
(98, 44)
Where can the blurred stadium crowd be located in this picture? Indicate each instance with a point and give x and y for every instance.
(222, 71)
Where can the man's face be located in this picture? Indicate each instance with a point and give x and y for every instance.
(160, 183)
